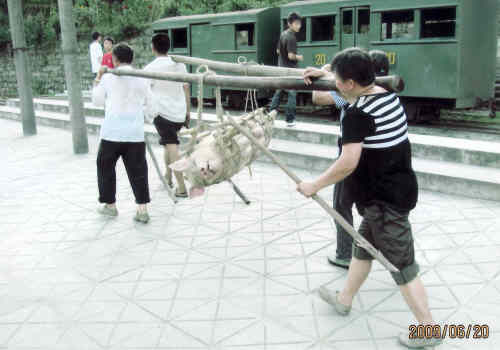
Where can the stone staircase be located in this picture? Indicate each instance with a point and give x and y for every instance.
(445, 164)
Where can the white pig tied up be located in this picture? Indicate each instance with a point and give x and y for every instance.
(221, 153)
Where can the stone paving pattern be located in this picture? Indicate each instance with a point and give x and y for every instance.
(213, 273)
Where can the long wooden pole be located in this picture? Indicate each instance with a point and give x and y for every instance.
(230, 81)
(23, 71)
(160, 175)
(391, 82)
(72, 73)
(332, 212)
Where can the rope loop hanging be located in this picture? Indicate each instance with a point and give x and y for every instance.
(251, 93)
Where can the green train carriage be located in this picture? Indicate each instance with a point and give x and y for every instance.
(445, 50)
(225, 37)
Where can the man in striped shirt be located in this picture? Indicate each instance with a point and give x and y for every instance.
(377, 152)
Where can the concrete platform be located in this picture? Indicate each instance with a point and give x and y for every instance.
(213, 273)
(449, 165)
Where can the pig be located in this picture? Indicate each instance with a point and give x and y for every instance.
(224, 152)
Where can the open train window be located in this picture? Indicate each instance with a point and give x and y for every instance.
(439, 23)
(398, 25)
(179, 38)
(302, 35)
(323, 28)
(347, 22)
(245, 34)
(363, 21)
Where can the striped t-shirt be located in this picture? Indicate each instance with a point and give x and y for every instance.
(390, 120)
(384, 172)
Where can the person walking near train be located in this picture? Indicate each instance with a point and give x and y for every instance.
(344, 191)
(173, 103)
(377, 152)
(288, 57)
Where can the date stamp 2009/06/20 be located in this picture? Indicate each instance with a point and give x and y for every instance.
(452, 331)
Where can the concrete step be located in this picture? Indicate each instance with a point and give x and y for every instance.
(441, 176)
(451, 178)
(432, 147)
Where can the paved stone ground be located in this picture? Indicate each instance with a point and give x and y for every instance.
(212, 273)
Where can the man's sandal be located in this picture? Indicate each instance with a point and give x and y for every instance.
(332, 299)
(180, 194)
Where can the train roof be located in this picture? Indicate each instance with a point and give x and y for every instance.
(210, 16)
(297, 3)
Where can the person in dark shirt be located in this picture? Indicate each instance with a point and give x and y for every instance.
(376, 153)
(343, 193)
(288, 57)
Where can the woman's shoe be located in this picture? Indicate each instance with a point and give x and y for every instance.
(108, 211)
(142, 217)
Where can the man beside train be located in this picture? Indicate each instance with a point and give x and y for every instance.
(288, 57)
(376, 153)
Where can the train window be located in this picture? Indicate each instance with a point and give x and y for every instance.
(398, 25)
(439, 23)
(323, 28)
(347, 22)
(363, 21)
(179, 38)
(245, 34)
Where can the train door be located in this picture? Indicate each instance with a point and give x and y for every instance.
(200, 47)
(355, 28)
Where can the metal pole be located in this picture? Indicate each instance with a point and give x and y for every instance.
(23, 70)
(72, 72)
(332, 212)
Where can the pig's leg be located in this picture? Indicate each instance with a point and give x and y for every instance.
(168, 172)
(173, 156)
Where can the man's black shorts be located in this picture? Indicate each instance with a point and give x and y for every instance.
(167, 130)
(389, 231)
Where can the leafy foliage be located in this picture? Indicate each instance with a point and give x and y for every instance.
(121, 19)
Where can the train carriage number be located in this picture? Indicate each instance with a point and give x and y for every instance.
(320, 59)
(392, 57)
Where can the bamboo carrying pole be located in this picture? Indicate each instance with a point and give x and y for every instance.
(245, 82)
(391, 82)
(23, 71)
(350, 230)
(160, 175)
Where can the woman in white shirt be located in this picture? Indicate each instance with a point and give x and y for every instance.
(122, 133)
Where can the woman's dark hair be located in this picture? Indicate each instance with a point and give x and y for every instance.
(380, 62)
(108, 38)
(123, 53)
(355, 64)
(161, 43)
(292, 17)
(95, 35)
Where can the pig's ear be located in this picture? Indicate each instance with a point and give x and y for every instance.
(182, 164)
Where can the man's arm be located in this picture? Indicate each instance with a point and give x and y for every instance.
(291, 48)
(322, 98)
(342, 168)
(99, 93)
